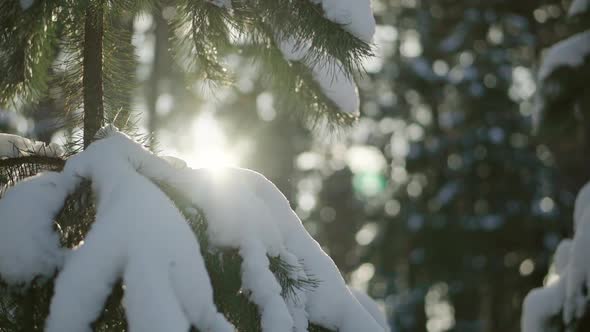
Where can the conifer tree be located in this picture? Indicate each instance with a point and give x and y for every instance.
(80, 52)
(562, 101)
(562, 121)
(466, 195)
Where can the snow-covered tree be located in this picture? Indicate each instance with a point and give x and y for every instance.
(562, 101)
(561, 304)
(112, 237)
(563, 68)
(562, 107)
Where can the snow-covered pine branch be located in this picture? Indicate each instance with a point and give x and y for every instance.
(563, 71)
(140, 237)
(564, 297)
(356, 17)
(330, 77)
(578, 7)
(21, 157)
(13, 146)
(571, 52)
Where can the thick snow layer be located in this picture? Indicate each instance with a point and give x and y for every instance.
(371, 306)
(263, 209)
(338, 87)
(542, 304)
(12, 146)
(356, 16)
(29, 246)
(578, 7)
(571, 276)
(335, 84)
(578, 273)
(570, 52)
(561, 258)
(244, 210)
(264, 288)
(296, 302)
(140, 237)
(578, 269)
(582, 205)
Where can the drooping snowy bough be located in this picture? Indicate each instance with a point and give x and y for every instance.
(563, 300)
(578, 7)
(12, 146)
(564, 70)
(328, 72)
(147, 236)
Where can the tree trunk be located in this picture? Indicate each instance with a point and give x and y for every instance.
(92, 79)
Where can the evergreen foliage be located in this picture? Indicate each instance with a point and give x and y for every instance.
(479, 172)
(472, 197)
(563, 123)
(50, 44)
(26, 308)
(562, 107)
(80, 53)
(468, 195)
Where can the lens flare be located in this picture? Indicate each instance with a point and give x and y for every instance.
(209, 145)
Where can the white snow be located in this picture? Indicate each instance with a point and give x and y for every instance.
(542, 304)
(140, 237)
(582, 205)
(333, 81)
(564, 291)
(562, 257)
(296, 303)
(264, 287)
(578, 7)
(578, 273)
(371, 306)
(246, 211)
(570, 52)
(12, 146)
(578, 269)
(175, 162)
(338, 87)
(29, 246)
(331, 304)
(356, 16)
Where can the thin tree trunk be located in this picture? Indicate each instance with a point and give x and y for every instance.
(92, 79)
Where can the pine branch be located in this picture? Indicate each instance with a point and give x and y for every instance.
(202, 35)
(119, 65)
(13, 170)
(293, 84)
(28, 45)
(224, 268)
(305, 21)
(37, 160)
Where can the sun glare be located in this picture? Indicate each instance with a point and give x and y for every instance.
(209, 145)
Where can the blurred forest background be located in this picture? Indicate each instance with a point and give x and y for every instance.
(440, 201)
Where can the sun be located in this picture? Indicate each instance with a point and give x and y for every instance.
(210, 145)
(206, 145)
